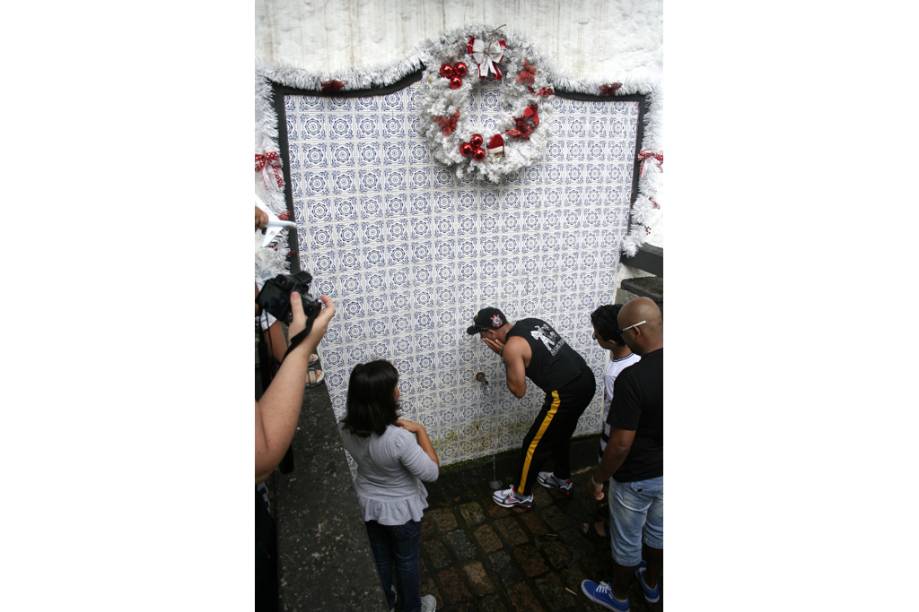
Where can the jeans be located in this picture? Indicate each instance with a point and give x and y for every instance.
(397, 551)
(636, 510)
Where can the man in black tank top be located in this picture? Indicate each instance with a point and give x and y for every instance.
(531, 348)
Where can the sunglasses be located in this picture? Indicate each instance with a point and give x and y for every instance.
(632, 325)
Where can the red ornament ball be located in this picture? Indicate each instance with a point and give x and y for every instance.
(456, 82)
(460, 69)
(477, 140)
(479, 153)
(466, 149)
(446, 71)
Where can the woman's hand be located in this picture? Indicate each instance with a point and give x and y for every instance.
(320, 324)
(410, 426)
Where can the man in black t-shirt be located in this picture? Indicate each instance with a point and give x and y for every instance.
(634, 463)
(531, 348)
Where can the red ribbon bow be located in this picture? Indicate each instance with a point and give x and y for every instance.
(542, 91)
(270, 163)
(333, 85)
(447, 123)
(644, 156)
(527, 75)
(526, 124)
(610, 89)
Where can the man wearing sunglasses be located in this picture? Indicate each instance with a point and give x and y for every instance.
(633, 463)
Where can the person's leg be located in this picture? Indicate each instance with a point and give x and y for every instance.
(408, 552)
(654, 532)
(266, 562)
(655, 560)
(628, 509)
(382, 548)
(575, 398)
(535, 449)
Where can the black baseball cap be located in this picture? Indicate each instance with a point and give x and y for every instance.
(487, 318)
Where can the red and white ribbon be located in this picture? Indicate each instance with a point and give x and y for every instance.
(269, 164)
(657, 156)
(486, 55)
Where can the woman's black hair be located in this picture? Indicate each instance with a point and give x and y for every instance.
(371, 404)
(605, 323)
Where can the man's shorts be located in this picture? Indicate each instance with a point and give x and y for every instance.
(636, 511)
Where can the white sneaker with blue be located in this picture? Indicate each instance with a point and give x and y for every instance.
(508, 499)
(602, 593)
(550, 481)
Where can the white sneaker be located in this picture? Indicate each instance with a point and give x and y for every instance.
(428, 603)
(508, 499)
(550, 481)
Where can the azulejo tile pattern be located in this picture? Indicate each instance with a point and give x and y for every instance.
(410, 253)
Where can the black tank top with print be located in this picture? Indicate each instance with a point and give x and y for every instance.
(554, 362)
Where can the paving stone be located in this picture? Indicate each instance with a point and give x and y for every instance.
(523, 599)
(492, 603)
(509, 529)
(487, 538)
(452, 586)
(555, 518)
(460, 545)
(429, 587)
(504, 567)
(443, 518)
(533, 523)
(437, 553)
(493, 510)
(472, 513)
(556, 552)
(478, 578)
(553, 592)
(597, 568)
(572, 576)
(541, 497)
(580, 545)
(529, 559)
(428, 528)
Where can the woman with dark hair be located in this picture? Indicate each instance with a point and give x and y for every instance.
(393, 455)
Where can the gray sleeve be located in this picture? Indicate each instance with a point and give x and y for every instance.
(415, 460)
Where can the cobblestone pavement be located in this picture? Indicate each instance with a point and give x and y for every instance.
(477, 555)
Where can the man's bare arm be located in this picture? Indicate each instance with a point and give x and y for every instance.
(515, 368)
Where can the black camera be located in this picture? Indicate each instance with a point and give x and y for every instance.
(275, 297)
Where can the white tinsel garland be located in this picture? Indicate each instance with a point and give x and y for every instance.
(639, 81)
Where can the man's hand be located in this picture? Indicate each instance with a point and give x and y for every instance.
(261, 218)
(596, 488)
(410, 426)
(494, 344)
(320, 325)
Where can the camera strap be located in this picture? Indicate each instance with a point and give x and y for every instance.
(297, 339)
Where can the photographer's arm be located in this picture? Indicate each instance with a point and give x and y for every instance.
(278, 410)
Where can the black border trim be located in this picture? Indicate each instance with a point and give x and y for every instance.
(278, 92)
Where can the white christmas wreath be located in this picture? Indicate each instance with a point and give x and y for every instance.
(454, 70)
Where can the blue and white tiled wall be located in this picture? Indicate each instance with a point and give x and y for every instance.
(410, 252)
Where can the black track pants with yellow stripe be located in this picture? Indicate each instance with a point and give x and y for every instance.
(550, 434)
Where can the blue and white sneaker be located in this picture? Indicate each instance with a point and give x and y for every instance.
(508, 499)
(550, 481)
(651, 595)
(602, 593)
